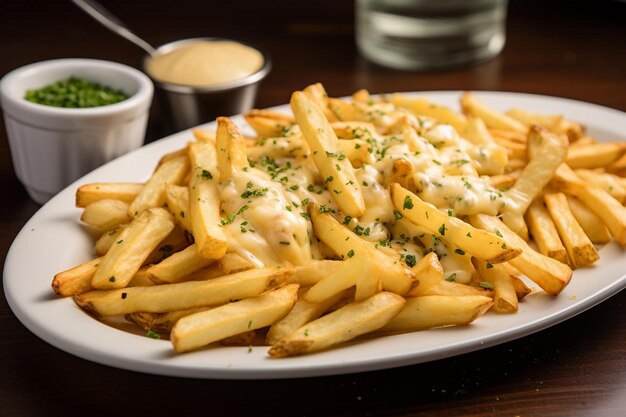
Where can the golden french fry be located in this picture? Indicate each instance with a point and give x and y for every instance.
(368, 281)
(421, 313)
(106, 214)
(424, 107)
(76, 280)
(176, 241)
(493, 119)
(177, 199)
(611, 211)
(593, 226)
(336, 170)
(579, 248)
(182, 295)
(609, 182)
(203, 135)
(341, 325)
(201, 329)
(204, 201)
(428, 272)
(232, 262)
(394, 276)
(456, 289)
(318, 95)
(90, 193)
(178, 266)
(504, 294)
(313, 272)
(521, 289)
(268, 123)
(172, 171)
(108, 239)
(356, 150)
(484, 245)
(230, 147)
(552, 122)
(344, 277)
(551, 275)
(544, 232)
(548, 153)
(595, 156)
(302, 313)
(135, 243)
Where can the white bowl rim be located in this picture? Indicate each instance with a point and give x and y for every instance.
(142, 97)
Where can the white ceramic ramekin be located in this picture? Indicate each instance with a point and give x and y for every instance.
(51, 146)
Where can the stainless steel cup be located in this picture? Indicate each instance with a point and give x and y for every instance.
(186, 106)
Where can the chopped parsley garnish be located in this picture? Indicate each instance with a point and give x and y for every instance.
(451, 277)
(497, 232)
(119, 241)
(410, 260)
(486, 285)
(329, 179)
(489, 265)
(206, 175)
(153, 335)
(459, 251)
(442, 230)
(324, 209)
(112, 279)
(305, 215)
(350, 253)
(397, 215)
(408, 203)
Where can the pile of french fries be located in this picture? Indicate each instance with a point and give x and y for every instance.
(370, 216)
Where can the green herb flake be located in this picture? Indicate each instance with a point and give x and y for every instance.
(442, 230)
(153, 335)
(486, 285)
(350, 253)
(451, 277)
(489, 265)
(410, 260)
(459, 251)
(408, 203)
(206, 175)
(397, 215)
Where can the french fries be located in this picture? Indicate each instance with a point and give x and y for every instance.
(477, 242)
(579, 248)
(339, 326)
(551, 275)
(200, 329)
(152, 194)
(204, 209)
(135, 244)
(183, 295)
(90, 193)
(106, 214)
(367, 216)
(336, 171)
(426, 312)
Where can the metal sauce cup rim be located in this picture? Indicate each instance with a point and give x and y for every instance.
(230, 85)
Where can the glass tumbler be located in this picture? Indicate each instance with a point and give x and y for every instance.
(430, 34)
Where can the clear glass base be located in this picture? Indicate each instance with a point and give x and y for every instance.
(430, 34)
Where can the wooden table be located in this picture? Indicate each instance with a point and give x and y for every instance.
(561, 48)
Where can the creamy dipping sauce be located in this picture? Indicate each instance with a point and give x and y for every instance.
(204, 63)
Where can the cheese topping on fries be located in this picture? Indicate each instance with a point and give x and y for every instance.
(378, 214)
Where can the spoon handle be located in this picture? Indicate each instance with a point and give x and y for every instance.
(104, 17)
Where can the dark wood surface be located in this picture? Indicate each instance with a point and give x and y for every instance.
(562, 48)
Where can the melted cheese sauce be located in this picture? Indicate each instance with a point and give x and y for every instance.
(265, 206)
(204, 63)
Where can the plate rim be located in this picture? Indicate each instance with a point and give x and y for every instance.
(390, 361)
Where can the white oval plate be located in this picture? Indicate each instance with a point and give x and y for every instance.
(53, 241)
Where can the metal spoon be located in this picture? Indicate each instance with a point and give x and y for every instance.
(108, 20)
